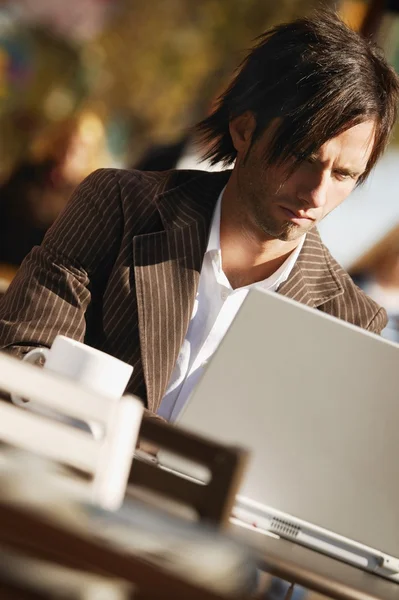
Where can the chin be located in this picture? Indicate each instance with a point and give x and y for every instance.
(291, 236)
(285, 234)
(294, 233)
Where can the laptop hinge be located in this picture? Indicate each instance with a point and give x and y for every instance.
(386, 565)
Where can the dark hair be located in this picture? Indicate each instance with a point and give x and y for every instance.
(319, 77)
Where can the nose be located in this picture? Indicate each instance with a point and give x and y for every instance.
(314, 188)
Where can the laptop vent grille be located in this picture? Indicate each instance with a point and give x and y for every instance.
(284, 528)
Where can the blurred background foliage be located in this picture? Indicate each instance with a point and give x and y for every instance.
(118, 76)
(118, 83)
(177, 55)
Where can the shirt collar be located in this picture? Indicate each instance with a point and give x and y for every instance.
(282, 274)
(214, 234)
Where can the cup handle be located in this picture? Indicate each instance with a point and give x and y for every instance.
(30, 357)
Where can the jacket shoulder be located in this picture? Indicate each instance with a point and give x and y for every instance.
(130, 180)
(353, 304)
(154, 182)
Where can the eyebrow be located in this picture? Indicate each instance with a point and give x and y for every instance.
(344, 170)
(349, 172)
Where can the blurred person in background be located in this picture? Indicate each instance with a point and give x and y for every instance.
(152, 267)
(40, 186)
(182, 154)
(33, 196)
(377, 273)
(163, 157)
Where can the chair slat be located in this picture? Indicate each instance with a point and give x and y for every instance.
(212, 501)
(54, 440)
(52, 390)
(107, 457)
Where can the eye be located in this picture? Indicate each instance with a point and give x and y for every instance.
(343, 176)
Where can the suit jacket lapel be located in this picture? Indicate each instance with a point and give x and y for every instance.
(167, 270)
(313, 280)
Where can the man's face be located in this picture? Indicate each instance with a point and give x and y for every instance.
(286, 208)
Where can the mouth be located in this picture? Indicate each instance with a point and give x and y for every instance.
(298, 217)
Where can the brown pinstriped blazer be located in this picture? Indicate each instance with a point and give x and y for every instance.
(120, 268)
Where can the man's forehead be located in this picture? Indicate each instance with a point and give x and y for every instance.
(355, 144)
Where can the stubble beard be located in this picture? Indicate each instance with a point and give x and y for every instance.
(259, 204)
(285, 231)
(260, 213)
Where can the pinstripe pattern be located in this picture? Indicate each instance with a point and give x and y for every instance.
(120, 267)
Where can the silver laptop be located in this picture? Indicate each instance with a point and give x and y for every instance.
(316, 400)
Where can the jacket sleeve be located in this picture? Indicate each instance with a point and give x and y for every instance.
(378, 322)
(53, 288)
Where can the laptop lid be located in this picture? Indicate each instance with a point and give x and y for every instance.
(316, 400)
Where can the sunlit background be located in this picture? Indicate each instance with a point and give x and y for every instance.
(98, 83)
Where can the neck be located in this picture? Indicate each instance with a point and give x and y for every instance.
(248, 254)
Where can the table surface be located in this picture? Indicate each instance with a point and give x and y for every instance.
(315, 570)
(311, 569)
(305, 567)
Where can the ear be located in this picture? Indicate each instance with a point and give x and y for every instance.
(241, 130)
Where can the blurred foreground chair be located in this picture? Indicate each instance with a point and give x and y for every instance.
(212, 501)
(110, 459)
(107, 460)
(67, 549)
(137, 548)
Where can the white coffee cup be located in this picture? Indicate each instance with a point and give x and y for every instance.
(91, 368)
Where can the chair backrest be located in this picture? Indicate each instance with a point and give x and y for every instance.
(107, 459)
(212, 502)
(27, 532)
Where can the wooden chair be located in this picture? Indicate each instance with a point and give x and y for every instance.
(14, 591)
(34, 535)
(108, 460)
(212, 502)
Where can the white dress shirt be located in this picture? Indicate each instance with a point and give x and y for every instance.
(215, 307)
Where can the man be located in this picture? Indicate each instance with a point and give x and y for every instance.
(152, 267)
